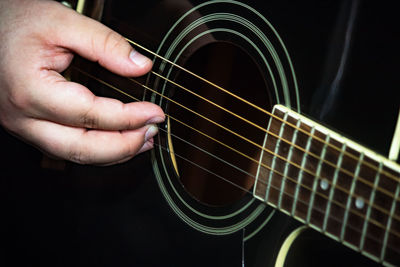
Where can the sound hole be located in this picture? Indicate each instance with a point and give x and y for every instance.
(212, 159)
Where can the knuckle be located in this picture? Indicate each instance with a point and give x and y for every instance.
(112, 41)
(89, 121)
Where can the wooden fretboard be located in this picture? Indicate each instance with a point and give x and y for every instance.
(332, 184)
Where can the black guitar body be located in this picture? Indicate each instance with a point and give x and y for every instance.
(334, 61)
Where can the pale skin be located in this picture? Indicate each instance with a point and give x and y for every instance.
(62, 118)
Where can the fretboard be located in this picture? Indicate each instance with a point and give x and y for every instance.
(332, 184)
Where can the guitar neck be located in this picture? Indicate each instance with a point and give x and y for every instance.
(332, 184)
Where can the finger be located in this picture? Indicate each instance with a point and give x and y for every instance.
(73, 104)
(96, 42)
(87, 147)
(146, 146)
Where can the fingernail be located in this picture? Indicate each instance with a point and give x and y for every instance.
(139, 59)
(151, 132)
(155, 120)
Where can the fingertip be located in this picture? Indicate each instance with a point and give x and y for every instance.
(140, 60)
(138, 114)
(151, 131)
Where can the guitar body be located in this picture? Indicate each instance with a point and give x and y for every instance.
(333, 61)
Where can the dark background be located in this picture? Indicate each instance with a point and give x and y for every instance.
(104, 216)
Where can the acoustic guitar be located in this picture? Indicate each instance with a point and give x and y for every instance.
(247, 169)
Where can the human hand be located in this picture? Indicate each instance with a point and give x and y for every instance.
(62, 118)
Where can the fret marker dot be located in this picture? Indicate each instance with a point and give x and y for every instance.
(324, 184)
(359, 203)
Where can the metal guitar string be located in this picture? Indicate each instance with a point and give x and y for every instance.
(276, 117)
(244, 189)
(263, 148)
(231, 165)
(357, 177)
(247, 191)
(379, 225)
(274, 135)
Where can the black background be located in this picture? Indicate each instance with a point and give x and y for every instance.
(105, 216)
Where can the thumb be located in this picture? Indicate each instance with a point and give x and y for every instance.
(96, 42)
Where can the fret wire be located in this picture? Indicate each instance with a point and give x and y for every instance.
(276, 151)
(285, 171)
(333, 187)
(319, 179)
(319, 166)
(371, 200)
(315, 182)
(113, 87)
(247, 102)
(388, 225)
(287, 141)
(323, 152)
(349, 199)
(324, 149)
(287, 166)
(261, 164)
(298, 181)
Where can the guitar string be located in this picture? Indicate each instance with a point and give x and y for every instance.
(315, 208)
(318, 209)
(355, 195)
(293, 180)
(357, 177)
(352, 210)
(391, 176)
(350, 174)
(379, 225)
